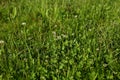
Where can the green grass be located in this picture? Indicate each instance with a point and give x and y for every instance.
(59, 40)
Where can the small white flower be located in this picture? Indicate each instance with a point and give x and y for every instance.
(97, 49)
(75, 16)
(90, 29)
(2, 42)
(55, 26)
(23, 23)
(72, 34)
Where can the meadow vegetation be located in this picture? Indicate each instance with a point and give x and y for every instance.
(59, 40)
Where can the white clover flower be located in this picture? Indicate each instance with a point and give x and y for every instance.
(97, 49)
(90, 29)
(2, 42)
(75, 16)
(72, 34)
(55, 26)
(23, 23)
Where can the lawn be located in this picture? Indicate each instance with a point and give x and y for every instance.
(59, 40)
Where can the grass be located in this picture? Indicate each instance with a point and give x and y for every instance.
(59, 40)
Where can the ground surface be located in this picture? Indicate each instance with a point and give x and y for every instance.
(59, 39)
